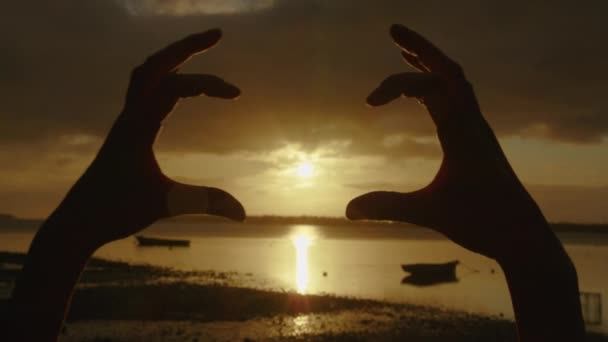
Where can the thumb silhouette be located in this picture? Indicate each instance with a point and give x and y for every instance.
(413, 207)
(184, 199)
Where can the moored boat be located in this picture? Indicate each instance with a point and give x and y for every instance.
(430, 274)
(145, 241)
(448, 268)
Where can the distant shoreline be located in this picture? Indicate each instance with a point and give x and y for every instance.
(13, 222)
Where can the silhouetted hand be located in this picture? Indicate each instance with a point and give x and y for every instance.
(475, 199)
(124, 190)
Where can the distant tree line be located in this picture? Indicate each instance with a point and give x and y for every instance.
(11, 221)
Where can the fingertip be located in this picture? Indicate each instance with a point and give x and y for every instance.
(217, 87)
(225, 91)
(397, 31)
(353, 212)
(370, 101)
(239, 215)
(359, 207)
(373, 102)
(224, 204)
(215, 33)
(380, 97)
(375, 205)
(232, 92)
(204, 40)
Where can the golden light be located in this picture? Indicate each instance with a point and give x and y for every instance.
(305, 170)
(301, 243)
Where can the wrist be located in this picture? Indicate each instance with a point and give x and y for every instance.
(544, 291)
(534, 247)
(541, 256)
(56, 257)
(70, 229)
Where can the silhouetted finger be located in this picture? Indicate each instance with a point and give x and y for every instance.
(183, 199)
(170, 58)
(414, 207)
(471, 141)
(190, 85)
(427, 53)
(410, 84)
(414, 62)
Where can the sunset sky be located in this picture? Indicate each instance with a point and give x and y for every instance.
(300, 140)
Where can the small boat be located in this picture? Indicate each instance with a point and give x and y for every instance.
(445, 268)
(430, 274)
(145, 241)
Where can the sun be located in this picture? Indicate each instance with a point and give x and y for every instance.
(305, 170)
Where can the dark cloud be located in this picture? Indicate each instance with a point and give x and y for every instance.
(189, 7)
(305, 68)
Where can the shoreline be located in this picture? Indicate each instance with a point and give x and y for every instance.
(118, 301)
(14, 222)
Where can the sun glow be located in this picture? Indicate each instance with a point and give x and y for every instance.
(301, 243)
(305, 170)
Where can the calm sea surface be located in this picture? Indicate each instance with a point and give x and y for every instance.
(361, 261)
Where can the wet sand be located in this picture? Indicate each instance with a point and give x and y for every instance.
(116, 301)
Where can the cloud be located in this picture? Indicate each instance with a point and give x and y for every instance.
(193, 7)
(305, 68)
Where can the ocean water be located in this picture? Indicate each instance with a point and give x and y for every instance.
(361, 261)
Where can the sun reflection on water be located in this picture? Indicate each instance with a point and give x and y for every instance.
(301, 243)
(301, 325)
(302, 238)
